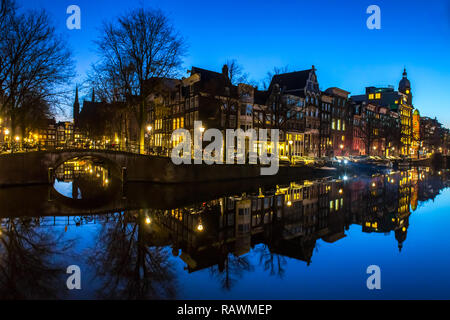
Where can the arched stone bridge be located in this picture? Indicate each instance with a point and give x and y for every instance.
(38, 167)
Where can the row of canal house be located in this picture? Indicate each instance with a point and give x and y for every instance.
(290, 219)
(311, 122)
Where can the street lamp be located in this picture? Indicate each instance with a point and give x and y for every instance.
(202, 129)
(7, 131)
(149, 128)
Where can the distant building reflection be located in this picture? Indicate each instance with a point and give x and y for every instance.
(135, 250)
(289, 219)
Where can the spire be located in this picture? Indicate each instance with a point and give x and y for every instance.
(76, 96)
(76, 107)
(404, 72)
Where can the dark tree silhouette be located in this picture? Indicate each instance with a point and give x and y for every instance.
(137, 49)
(272, 262)
(29, 267)
(230, 269)
(127, 267)
(34, 60)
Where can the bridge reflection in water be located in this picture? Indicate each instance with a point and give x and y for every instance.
(142, 232)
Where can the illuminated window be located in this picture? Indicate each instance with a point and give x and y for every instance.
(407, 91)
(371, 96)
(378, 96)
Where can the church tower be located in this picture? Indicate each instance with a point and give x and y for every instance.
(404, 87)
(76, 108)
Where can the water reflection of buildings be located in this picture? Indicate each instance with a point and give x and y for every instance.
(276, 222)
(83, 174)
(290, 219)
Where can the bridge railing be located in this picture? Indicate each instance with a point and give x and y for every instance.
(24, 147)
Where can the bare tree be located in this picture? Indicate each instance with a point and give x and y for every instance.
(33, 59)
(282, 112)
(269, 76)
(136, 51)
(391, 132)
(368, 128)
(31, 266)
(33, 114)
(236, 72)
(127, 266)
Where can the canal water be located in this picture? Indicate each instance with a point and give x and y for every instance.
(265, 239)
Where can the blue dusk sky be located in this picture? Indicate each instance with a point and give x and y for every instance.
(330, 34)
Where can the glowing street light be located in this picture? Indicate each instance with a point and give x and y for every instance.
(149, 128)
(202, 129)
(6, 131)
(17, 138)
(148, 220)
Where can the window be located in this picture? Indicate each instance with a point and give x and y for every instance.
(378, 96)
(371, 96)
(249, 109)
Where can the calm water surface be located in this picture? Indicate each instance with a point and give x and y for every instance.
(236, 240)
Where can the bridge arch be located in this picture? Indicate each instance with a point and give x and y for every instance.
(114, 163)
